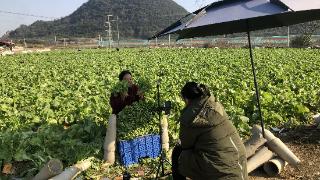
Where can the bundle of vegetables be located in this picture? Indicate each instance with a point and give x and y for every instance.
(144, 85)
(120, 87)
(137, 120)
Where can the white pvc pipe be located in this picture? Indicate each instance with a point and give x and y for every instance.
(268, 135)
(262, 156)
(73, 171)
(68, 174)
(255, 141)
(278, 147)
(110, 140)
(165, 134)
(50, 169)
(316, 119)
(274, 166)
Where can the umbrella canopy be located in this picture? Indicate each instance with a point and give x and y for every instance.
(233, 16)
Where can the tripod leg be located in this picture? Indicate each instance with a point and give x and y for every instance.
(158, 170)
(162, 166)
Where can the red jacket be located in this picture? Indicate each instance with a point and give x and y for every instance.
(116, 102)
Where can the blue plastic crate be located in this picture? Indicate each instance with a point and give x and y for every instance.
(127, 160)
(135, 150)
(125, 153)
(140, 147)
(149, 146)
(156, 146)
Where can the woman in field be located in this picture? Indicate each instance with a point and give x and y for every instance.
(210, 145)
(120, 101)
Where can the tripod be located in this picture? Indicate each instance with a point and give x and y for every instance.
(166, 108)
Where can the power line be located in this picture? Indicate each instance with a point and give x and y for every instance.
(24, 14)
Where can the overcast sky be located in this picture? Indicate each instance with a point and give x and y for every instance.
(50, 9)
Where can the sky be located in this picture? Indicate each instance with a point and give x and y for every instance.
(54, 9)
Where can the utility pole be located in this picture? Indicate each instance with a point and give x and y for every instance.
(109, 30)
(118, 31)
(99, 40)
(24, 42)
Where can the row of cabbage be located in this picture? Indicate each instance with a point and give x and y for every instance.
(56, 104)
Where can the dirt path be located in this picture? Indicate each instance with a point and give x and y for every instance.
(22, 50)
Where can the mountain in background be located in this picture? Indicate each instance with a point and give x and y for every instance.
(307, 28)
(137, 19)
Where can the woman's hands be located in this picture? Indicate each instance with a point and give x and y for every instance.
(123, 95)
(140, 94)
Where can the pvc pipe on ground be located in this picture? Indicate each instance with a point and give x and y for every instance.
(262, 156)
(255, 141)
(110, 140)
(317, 119)
(268, 135)
(50, 169)
(165, 134)
(274, 166)
(73, 171)
(68, 174)
(278, 147)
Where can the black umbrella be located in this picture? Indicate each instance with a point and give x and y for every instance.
(233, 16)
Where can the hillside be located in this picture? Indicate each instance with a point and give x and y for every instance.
(303, 28)
(137, 19)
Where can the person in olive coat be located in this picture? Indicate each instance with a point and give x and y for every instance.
(210, 147)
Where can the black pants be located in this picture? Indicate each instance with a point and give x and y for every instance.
(175, 164)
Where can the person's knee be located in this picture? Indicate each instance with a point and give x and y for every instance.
(175, 154)
(177, 150)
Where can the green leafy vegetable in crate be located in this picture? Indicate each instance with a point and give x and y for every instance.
(137, 120)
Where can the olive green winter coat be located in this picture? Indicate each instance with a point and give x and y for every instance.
(212, 148)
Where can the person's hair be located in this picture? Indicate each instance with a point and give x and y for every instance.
(123, 73)
(193, 90)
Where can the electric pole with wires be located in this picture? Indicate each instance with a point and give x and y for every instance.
(118, 31)
(109, 29)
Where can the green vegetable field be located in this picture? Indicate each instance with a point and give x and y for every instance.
(56, 104)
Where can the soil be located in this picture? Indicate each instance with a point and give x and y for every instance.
(21, 50)
(304, 142)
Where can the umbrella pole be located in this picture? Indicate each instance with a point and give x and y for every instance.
(255, 82)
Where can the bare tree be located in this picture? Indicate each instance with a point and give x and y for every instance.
(306, 31)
